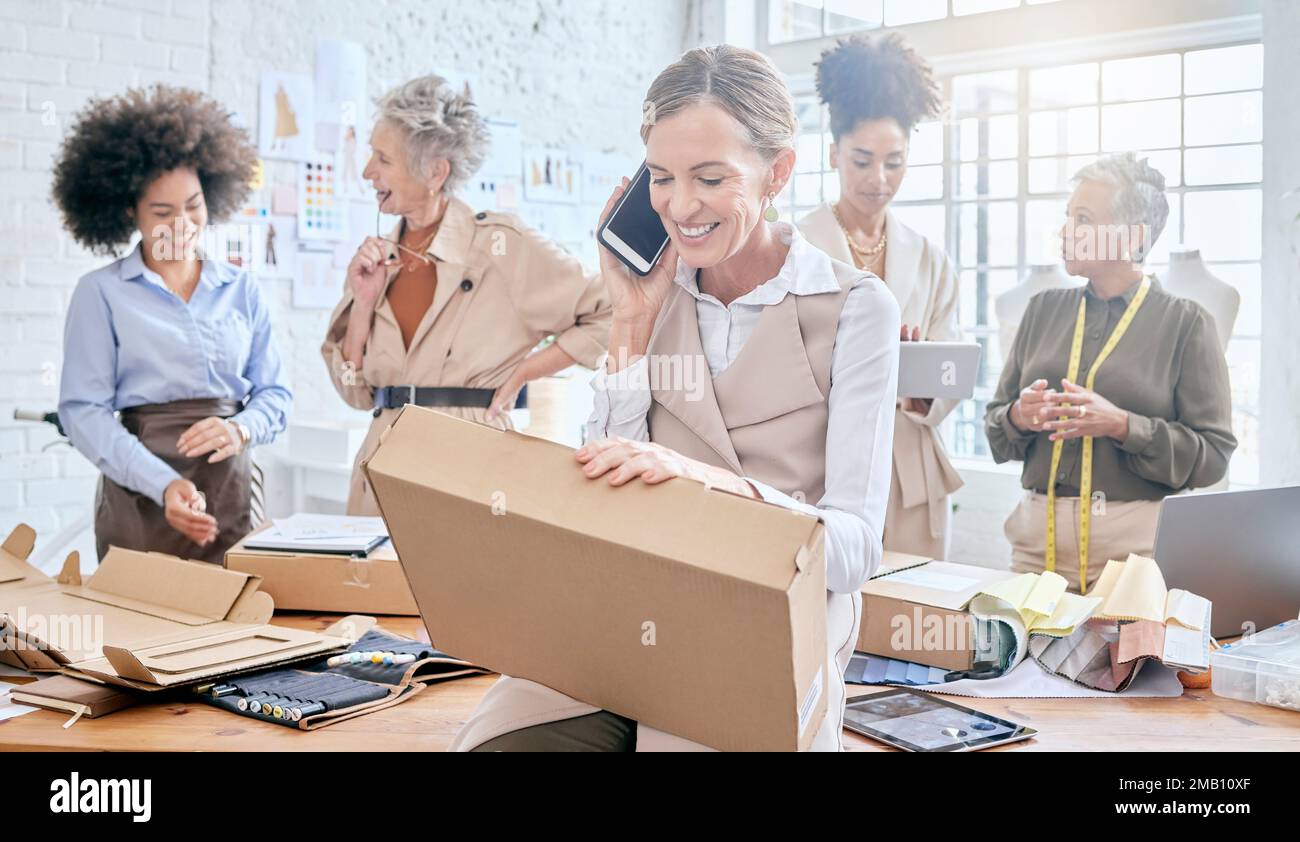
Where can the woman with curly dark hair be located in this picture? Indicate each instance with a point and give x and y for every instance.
(178, 343)
(877, 90)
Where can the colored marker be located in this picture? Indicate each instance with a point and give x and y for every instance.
(308, 710)
(378, 658)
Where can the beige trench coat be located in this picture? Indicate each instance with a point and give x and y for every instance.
(924, 283)
(502, 288)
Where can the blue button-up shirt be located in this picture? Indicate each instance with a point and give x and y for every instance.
(129, 340)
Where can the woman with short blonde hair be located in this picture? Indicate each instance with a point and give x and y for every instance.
(802, 353)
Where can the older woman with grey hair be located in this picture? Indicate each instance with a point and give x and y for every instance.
(446, 310)
(1114, 395)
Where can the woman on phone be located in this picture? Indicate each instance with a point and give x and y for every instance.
(877, 90)
(737, 288)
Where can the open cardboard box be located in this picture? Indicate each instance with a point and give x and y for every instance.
(914, 609)
(302, 581)
(148, 621)
(693, 610)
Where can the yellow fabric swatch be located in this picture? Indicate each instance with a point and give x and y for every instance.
(1042, 602)
(1135, 590)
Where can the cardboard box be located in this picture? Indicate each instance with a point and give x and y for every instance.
(321, 582)
(698, 612)
(146, 620)
(915, 610)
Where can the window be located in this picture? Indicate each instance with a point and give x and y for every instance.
(992, 180)
(797, 20)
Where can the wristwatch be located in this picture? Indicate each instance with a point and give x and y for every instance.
(244, 436)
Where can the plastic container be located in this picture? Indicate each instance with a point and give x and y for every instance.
(1262, 668)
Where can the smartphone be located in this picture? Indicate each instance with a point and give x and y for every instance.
(634, 232)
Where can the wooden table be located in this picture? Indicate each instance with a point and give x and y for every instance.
(1197, 721)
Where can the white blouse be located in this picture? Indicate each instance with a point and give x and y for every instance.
(860, 425)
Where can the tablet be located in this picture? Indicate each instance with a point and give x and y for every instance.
(937, 369)
(916, 721)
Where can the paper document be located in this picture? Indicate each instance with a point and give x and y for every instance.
(1187, 647)
(322, 534)
(9, 709)
(921, 577)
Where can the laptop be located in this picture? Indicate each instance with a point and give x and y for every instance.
(937, 369)
(1238, 549)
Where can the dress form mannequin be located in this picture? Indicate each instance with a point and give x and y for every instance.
(1010, 305)
(1189, 277)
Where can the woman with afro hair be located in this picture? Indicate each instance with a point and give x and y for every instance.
(877, 90)
(170, 372)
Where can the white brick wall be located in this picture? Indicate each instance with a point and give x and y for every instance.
(568, 72)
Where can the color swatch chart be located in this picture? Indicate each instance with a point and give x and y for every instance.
(320, 214)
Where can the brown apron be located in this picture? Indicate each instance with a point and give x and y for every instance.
(127, 519)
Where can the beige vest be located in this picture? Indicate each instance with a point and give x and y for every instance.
(763, 417)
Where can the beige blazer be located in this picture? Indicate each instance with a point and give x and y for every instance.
(776, 435)
(502, 289)
(924, 283)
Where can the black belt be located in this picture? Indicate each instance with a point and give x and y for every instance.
(394, 397)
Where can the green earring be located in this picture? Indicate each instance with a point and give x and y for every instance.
(771, 214)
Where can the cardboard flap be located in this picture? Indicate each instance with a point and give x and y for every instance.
(20, 542)
(136, 606)
(812, 550)
(679, 520)
(29, 651)
(351, 627)
(188, 592)
(34, 655)
(71, 572)
(13, 556)
(253, 606)
(156, 663)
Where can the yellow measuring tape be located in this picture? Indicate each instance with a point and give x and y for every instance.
(1085, 479)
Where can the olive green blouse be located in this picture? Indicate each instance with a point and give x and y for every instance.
(1168, 372)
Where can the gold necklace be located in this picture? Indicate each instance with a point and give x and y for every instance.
(422, 260)
(861, 252)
